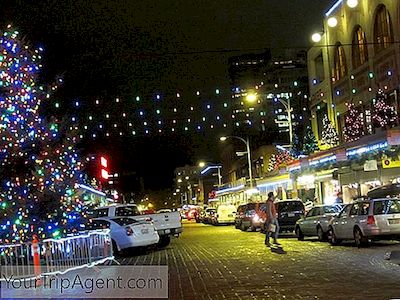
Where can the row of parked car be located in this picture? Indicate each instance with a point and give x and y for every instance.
(374, 217)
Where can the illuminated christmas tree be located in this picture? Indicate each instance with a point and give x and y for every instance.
(39, 166)
(296, 150)
(280, 158)
(329, 133)
(353, 123)
(310, 144)
(384, 115)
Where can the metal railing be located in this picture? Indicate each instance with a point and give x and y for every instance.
(55, 256)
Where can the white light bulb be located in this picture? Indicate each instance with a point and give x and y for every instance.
(352, 3)
(316, 37)
(332, 22)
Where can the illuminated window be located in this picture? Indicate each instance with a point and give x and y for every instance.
(359, 47)
(340, 67)
(383, 30)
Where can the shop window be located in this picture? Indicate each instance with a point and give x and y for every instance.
(354, 209)
(340, 66)
(319, 67)
(364, 209)
(359, 47)
(383, 30)
(322, 110)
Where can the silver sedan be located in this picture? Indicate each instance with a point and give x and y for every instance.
(316, 221)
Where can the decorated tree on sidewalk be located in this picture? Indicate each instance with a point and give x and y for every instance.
(310, 144)
(296, 149)
(384, 115)
(281, 157)
(39, 166)
(329, 133)
(353, 123)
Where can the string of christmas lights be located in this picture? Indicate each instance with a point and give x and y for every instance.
(39, 166)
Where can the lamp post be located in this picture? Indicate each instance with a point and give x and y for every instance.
(247, 143)
(205, 170)
(288, 108)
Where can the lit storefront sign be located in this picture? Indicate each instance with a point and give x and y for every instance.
(366, 149)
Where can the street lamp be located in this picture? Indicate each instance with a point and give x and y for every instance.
(247, 143)
(204, 171)
(288, 109)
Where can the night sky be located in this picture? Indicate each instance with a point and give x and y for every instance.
(121, 48)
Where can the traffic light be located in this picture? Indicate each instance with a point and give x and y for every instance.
(104, 168)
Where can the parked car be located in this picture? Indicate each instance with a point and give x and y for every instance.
(167, 224)
(225, 214)
(207, 215)
(289, 212)
(316, 222)
(251, 215)
(365, 220)
(126, 232)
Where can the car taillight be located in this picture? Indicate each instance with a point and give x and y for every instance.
(371, 220)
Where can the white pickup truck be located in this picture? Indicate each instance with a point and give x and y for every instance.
(167, 224)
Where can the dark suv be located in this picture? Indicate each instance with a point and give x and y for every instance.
(250, 215)
(289, 211)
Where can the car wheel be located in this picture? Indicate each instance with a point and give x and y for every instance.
(164, 241)
(237, 226)
(252, 227)
(243, 227)
(299, 234)
(359, 238)
(321, 234)
(333, 240)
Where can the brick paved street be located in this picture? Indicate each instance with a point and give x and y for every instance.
(208, 262)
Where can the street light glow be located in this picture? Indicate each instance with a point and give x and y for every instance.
(202, 164)
(222, 138)
(316, 37)
(352, 3)
(332, 22)
(251, 97)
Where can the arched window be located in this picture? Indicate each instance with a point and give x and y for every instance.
(340, 67)
(359, 47)
(383, 30)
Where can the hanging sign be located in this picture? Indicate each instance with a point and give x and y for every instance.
(371, 165)
(388, 163)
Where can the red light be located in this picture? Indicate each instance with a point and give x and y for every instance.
(103, 162)
(371, 220)
(104, 174)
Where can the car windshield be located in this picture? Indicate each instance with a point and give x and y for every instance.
(124, 221)
(290, 206)
(389, 206)
(126, 211)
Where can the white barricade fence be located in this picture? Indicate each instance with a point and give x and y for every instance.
(55, 256)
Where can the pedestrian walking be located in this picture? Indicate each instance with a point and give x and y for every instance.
(271, 221)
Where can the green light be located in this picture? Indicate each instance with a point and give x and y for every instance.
(17, 222)
(295, 83)
(56, 233)
(137, 98)
(57, 105)
(371, 75)
(3, 205)
(353, 91)
(158, 111)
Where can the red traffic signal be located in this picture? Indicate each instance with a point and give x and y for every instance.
(104, 168)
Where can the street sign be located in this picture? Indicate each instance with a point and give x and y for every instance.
(388, 163)
(371, 165)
